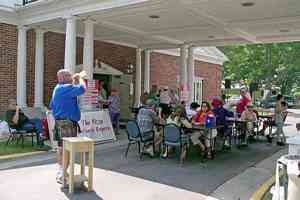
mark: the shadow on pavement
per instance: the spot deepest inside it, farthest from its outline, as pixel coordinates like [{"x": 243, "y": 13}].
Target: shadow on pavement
[{"x": 80, "y": 194}]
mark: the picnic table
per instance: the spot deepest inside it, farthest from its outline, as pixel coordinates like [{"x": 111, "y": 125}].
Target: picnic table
[
  {"x": 239, "y": 129},
  {"x": 207, "y": 133}
]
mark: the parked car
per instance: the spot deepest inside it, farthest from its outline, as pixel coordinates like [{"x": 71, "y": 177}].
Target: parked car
[
  {"x": 233, "y": 99},
  {"x": 270, "y": 102}
]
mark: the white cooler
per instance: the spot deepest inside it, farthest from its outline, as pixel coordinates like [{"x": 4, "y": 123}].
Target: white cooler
[
  {"x": 294, "y": 145},
  {"x": 287, "y": 166}
]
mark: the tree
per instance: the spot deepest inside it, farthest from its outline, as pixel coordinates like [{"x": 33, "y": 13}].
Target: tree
[{"x": 270, "y": 64}]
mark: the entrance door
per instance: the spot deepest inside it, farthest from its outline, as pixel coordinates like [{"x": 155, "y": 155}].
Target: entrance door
[
  {"x": 123, "y": 84},
  {"x": 198, "y": 90}
]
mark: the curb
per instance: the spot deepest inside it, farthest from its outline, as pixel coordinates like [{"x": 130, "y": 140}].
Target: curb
[
  {"x": 260, "y": 192},
  {"x": 21, "y": 155}
]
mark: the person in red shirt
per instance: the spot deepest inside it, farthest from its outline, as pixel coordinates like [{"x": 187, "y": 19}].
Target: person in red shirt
[
  {"x": 200, "y": 117},
  {"x": 243, "y": 102},
  {"x": 198, "y": 138}
]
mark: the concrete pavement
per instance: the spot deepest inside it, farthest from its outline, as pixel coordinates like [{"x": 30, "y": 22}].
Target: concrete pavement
[{"x": 231, "y": 176}]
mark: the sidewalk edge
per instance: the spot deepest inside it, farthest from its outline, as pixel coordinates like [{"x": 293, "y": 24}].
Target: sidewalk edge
[
  {"x": 22, "y": 155},
  {"x": 260, "y": 192}
]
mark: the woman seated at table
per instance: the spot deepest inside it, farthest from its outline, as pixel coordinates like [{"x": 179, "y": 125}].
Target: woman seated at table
[
  {"x": 177, "y": 117},
  {"x": 250, "y": 117},
  {"x": 200, "y": 138}
]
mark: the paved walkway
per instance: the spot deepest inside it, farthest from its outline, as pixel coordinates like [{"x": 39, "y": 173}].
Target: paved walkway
[{"x": 231, "y": 176}]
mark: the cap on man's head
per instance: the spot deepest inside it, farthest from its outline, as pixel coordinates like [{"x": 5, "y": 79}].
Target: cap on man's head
[{"x": 166, "y": 88}]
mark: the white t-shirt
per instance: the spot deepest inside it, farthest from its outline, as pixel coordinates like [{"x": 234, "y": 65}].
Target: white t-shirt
[{"x": 165, "y": 97}]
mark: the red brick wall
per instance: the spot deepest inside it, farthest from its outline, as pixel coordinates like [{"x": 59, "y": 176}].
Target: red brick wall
[
  {"x": 114, "y": 55},
  {"x": 164, "y": 68},
  {"x": 8, "y": 64},
  {"x": 165, "y": 72},
  {"x": 212, "y": 75}
]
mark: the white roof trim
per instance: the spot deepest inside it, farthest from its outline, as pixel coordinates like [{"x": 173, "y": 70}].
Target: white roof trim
[
  {"x": 204, "y": 54},
  {"x": 103, "y": 69},
  {"x": 8, "y": 15}
]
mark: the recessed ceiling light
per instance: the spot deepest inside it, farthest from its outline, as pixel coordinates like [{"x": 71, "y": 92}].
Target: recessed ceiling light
[
  {"x": 248, "y": 4},
  {"x": 211, "y": 36},
  {"x": 154, "y": 16},
  {"x": 284, "y": 30}
]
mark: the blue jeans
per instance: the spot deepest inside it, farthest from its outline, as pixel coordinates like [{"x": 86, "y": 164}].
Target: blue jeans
[
  {"x": 115, "y": 117},
  {"x": 34, "y": 124}
]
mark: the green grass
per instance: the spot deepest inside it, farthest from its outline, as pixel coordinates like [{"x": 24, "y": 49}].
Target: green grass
[
  {"x": 267, "y": 196},
  {"x": 14, "y": 148}
]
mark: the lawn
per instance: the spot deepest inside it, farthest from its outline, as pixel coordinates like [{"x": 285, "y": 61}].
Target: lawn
[{"x": 14, "y": 148}]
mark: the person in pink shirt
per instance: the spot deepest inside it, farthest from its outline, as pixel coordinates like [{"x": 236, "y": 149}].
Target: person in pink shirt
[{"x": 243, "y": 102}]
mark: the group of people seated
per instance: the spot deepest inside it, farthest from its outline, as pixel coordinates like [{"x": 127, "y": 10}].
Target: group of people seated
[
  {"x": 197, "y": 115},
  {"x": 153, "y": 112}
]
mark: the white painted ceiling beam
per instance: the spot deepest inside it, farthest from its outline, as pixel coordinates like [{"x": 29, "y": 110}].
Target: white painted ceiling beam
[
  {"x": 202, "y": 15},
  {"x": 8, "y": 16},
  {"x": 136, "y": 32},
  {"x": 281, "y": 20},
  {"x": 41, "y": 13},
  {"x": 218, "y": 42}
]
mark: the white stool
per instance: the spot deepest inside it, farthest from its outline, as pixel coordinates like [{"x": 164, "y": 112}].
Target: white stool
[{"x": 80, "y": 145}]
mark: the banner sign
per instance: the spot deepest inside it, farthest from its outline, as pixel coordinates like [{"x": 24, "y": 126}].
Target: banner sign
[
  {"x": 93, "y": 124},
  {"x": 97, "y": 125}
]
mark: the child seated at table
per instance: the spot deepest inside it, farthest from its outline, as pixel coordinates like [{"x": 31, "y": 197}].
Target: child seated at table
[
  {"x": 177, "y": 117},
  {"x": 201, "y": 138}
]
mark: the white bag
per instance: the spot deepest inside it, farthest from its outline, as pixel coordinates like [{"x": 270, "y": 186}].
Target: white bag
[{"x": 4, "y": 129}]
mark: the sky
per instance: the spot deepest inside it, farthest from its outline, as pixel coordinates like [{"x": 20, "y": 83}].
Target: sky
[{"x": 10, "y": 2}]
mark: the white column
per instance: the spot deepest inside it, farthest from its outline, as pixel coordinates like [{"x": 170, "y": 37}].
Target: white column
[
  {"x": 88, "y": 49},
  {"x": 147, "y": 71},
  {"x": 21, "y": 67},
  {"x": 183, "y": 73},
  {"x": 138, "y": 77},
  {"x": 191, "y": 72},
  {"x": 39, "y": 69},
  {"x": 70, "y": 44}
]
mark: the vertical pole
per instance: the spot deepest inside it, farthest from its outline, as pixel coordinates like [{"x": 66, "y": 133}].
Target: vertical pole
[
  {"x": 191, "y": 72},
  {"x": 21, "y": 66},
  {"x": 138, "y": 76},
  {"x": 183, "y": 73},
  {"x": 39, "y": 69},
  {"x": 70, "y": 44},
  {"x": 147, "y": 71},
  {"x": 88, "y": 49}
]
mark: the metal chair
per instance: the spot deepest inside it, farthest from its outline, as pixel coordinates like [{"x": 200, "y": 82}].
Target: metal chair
[
  {"x": 20, "y": 134},
  {"x": 135, "y": 136},
  {"x": 173, "y": 136}
]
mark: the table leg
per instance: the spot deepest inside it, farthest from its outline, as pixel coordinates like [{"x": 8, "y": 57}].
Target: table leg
[
  {"x": 91, "y": 166},
  {"x": 71, "y": 176},
  {"x": 82, "y": 163},
  {"x": 63, "y": 166}
]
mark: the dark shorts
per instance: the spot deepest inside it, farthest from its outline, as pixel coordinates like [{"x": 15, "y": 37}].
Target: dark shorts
[{"x": 65, "y": 128}]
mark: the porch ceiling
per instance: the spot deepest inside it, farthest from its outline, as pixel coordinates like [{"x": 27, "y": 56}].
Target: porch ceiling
[{"x": 195, "y": 22}]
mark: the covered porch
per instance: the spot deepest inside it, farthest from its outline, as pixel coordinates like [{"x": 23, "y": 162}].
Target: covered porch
[{"x": 148, "y": 26}]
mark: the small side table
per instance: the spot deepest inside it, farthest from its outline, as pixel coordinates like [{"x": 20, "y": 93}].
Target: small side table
[{"x": 80, "y": 145}]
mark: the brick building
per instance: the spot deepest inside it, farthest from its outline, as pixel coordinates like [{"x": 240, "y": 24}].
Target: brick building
[{"x": 164, "y": 64}]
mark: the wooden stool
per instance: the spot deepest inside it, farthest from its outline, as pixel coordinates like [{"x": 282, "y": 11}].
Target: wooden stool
[{"x": 80, "y": 145}]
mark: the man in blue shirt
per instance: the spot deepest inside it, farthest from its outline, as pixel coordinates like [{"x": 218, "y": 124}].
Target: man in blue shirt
[{"x": 65, "y": 109}]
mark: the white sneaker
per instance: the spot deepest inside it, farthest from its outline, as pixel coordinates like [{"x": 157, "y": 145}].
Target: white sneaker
[{"x": 59, "y": 177}]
